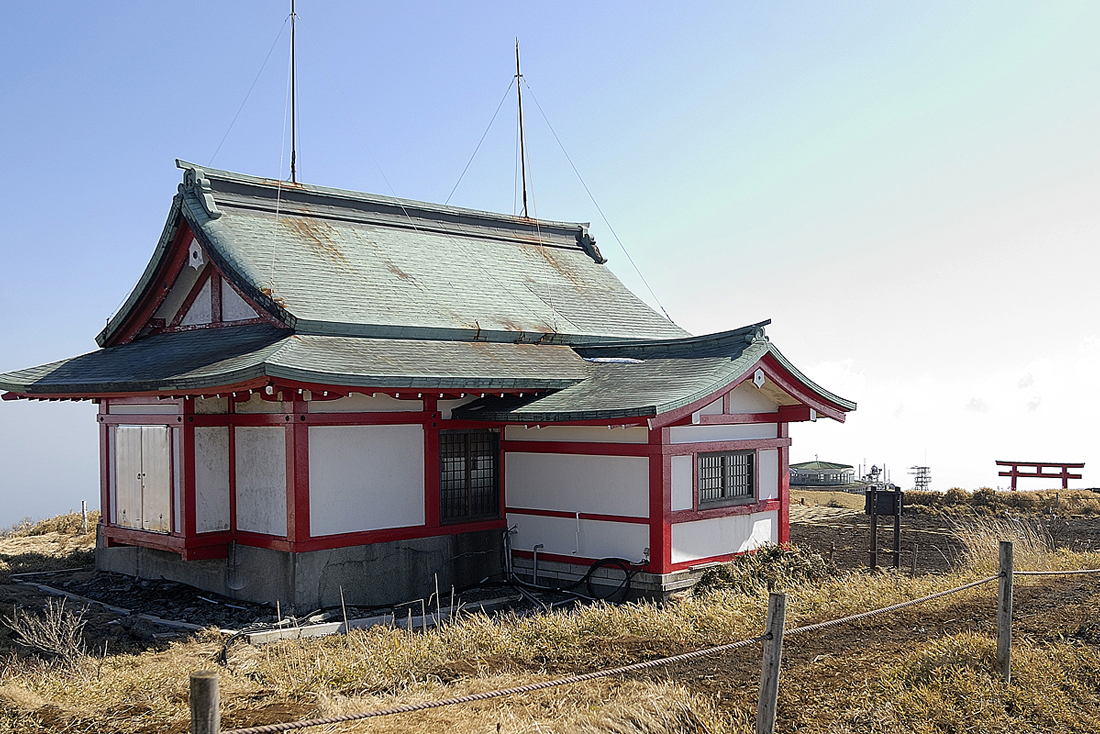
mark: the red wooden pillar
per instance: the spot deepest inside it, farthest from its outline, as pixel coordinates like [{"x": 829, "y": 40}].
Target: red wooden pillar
[
  {"x": 431, "y": 463},
  {"x": 104, "y": 465},
  {"x": 660, "y": 503},
  {"x": 297, "y": 470},
  {"x": 784, "y": 486},
  {"x": 187, "y": 469}
]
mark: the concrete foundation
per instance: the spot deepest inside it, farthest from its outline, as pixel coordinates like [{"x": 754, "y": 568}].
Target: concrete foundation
[
  {"x": 370, "y": 575},
  {"x": 606, "y": 580}
]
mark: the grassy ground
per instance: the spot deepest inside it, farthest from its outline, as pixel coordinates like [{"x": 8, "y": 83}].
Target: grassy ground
[
  {"x": 923, "y": 669},
  {"x": 825, "y": 498}
]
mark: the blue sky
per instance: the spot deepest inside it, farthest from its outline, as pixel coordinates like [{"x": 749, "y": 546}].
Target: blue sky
[{"x": 910, "y": 191}]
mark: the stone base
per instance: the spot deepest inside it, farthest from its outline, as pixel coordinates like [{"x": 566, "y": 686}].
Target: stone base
[
  {"x": 653, "y": 586},
  {"x": 370, "y": 575}
]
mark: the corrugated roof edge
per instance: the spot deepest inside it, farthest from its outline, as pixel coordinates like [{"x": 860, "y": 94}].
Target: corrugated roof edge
[{"x": 410, "y": 206}]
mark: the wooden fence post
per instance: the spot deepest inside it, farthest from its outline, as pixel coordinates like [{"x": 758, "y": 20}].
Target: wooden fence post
[
  {"x": 769, "y": 672},
  {"x": 205, "y": 703},
  {"x": 1004, "y": 613}
]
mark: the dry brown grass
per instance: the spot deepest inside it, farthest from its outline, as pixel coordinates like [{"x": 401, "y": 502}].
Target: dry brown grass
[
  {"x": 997, "y": 502},
  {"x": 1033, "y": 546},
  {"x": 927, "y": 683},
  {"x": 824, "y": 498},
  {"x": 48, "y": 545}
]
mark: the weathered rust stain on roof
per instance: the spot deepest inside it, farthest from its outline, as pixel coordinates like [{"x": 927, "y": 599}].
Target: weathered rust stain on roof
[
  {"x": 319, "y": 235},
  {"x": 399, "y": 272}
]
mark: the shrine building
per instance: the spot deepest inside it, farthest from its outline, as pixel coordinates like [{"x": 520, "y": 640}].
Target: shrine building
[{"x": 312, "y": 390}]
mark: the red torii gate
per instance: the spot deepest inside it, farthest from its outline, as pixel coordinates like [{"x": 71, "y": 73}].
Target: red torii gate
[{"x": 1038, "y": 472}]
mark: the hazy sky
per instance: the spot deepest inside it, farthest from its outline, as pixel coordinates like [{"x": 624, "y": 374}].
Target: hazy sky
[{"x": 911, "y": 191}]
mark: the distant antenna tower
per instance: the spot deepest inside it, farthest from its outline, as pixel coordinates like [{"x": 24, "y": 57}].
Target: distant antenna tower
[{"x": 922, "y": 477}]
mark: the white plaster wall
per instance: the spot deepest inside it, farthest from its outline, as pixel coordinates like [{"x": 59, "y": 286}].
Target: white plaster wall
[
  {"x": 714, "y": 408},
  {"x": 201, "y": 310},
  {"x": 719, "y": 536},
  {"x": 256, "y": 404},
  {"x": 768, "y": 471},
  {"x": 260, "y": 453},
  {"x": 359, "y": 403},
  {"x": 212, "y": 479},
  {"x": 235, "y": 308},
  {"x": 747, "y": 398},
  {"x": 585, "y": 434},
  {"x": 185, "y": 281},
  {"x": 587, "y": 539},
  {"x": 736, "y": 432},
  {"x": 600, "y": 485},
  {"x": 144, "y": 409},
  {"x": 365, "y": 478},
  {"x": 446, "y": 406},
  {"x": 683, "y": 494},
  {"x": 211, "y": 406}
]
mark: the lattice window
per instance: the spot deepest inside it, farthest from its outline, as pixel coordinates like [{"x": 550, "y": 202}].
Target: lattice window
[
  {"x": 469, "y": 484},
  {"x": 726, "y": 477}
]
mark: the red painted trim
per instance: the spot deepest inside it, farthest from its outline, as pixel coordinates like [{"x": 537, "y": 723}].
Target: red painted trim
[
  {"x": 784, "y": 487},
  {"x": 298, "y": 528},
  {"x": 387, "y": 535},
  {"x": 680, "y": 449},
  {"x": 660, "y": 503},
  {"x": 187, "y": 472},
  {"x": 128, "y": 536},
  {"x": 573, "y": 515},
  {"x": 572, "y": 560},
  {"x": 579, "y": 447},
  {"x": 158, "y": 287},
  {"x": 104, "y": 469},
  {"x": 141, "y": 420},
  {"x": 786, "y": 381},
  {"x": 232, "y": 474},
  {"x": 216, "y": 298},
  {"x": 737, "y": 418},
  {"x": 748, "y": 508},
  {"x": 777, "y": 374},
  {"x": 682, "y": 565},
  {"x": 369, "y": 419},
  {"x": 431, "y": 462},
  {"x": 1059, "y": 464},
  {"x": 191, "y": 297}
]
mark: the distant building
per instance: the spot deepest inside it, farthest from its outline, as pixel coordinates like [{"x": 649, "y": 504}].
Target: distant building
[{"x": 821, "y": 474}]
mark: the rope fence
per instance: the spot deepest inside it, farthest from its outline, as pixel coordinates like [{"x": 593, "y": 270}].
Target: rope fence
[{"x": 205, "y": 705}]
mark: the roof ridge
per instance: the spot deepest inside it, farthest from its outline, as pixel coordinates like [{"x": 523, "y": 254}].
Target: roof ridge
[{"x": 284, "y": 188}]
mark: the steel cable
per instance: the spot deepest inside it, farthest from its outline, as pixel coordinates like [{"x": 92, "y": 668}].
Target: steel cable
[
  {"x": 883, "y": 610},
  {"x": 289, "y": 726},
  {"x": 1056, "y": 573}
]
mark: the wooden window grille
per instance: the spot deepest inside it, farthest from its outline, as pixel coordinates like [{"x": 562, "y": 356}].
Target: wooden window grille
[
  {"x": 726, "y": 477},
  {"x": 469, "y": 475}
]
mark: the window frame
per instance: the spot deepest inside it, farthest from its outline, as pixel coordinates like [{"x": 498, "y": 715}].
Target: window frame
[
  {"x": 725, "y": 500},
  {"x": 495, "y": 453}
]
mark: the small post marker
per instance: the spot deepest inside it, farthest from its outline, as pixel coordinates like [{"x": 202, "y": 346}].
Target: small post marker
[
  {"x": 769, "y": 672},
  {"x": 84, "y": 516},
  {"x": 1004, "y": 613},
  {"x": 205, "y": 703}
]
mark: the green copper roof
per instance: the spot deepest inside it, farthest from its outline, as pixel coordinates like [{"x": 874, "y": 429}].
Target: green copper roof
[
  {"x": 814, "y": 466},
  {"x": 219, "y": 358},
  {"x": 631, "y": 380},
  {"x": 327, "y": 261}
]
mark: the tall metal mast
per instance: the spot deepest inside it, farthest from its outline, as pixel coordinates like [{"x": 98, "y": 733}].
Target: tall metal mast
[
  {"x": 293, "y": 100},
  {"x": 522, "y": 161}
]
